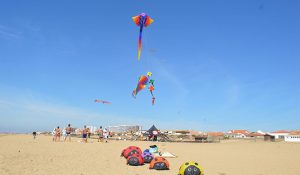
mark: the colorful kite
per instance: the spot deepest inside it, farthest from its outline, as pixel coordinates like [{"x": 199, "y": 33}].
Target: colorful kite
[
  {"x": 151, "y": 88},
  {"x": 101, "y": 101},
  {"x": 142, "y": 20},
  {"x": 142, "y": 83}
]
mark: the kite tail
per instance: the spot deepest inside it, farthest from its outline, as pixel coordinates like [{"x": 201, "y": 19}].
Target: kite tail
[
  {"x": 153, "y": 101},
  {"x": 134, "y": 94},
  {"x": 152, "y": 94},
  {"x": 153, "y": 98},
  {"x": 140, "y": 43}
]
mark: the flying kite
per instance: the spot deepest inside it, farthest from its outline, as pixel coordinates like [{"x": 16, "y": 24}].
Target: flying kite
[
  {"x": 151, "y": 88},
  {"x": 142, "y": 83},
  {"x": 142, "y": 20},
  {"x": 102, "y": 101}
]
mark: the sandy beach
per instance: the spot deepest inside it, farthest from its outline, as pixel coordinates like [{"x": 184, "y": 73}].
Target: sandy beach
[{"x": 20, "y": 154}]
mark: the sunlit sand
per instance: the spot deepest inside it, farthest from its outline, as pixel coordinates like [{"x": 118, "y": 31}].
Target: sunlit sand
[{"x": 20, "y": 154}]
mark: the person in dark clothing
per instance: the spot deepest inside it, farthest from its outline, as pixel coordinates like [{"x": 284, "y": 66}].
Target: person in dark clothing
[{"x": 34, "y": 135}]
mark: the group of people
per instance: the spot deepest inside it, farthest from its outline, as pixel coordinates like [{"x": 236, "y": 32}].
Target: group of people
[
  {"x": 66, "y": 133},
  {"x": 103, "y": 134}
]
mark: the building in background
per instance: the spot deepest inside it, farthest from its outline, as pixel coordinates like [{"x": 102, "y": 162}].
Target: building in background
[
  {"x": 124, "y": 128},
  {"x": 269, "y": 138},
  {"x": 280, "y": 134},
  {"x": 256, "y": 135},
  {"x": 293, "y": 136},
  {"x": 237, "y": 133}
]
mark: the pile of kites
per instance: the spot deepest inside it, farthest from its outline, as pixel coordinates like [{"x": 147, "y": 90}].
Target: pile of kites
[{"x": 135, "y": 157}]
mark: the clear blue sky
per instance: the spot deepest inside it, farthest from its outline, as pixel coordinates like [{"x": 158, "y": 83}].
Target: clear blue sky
[{"x": 217, "y": 65}]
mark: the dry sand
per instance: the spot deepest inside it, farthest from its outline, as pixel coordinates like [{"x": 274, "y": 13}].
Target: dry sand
[{"x": 20, "y": 154}]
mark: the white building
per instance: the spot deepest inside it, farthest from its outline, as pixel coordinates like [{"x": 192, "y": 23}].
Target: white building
[
  {"x": 124, "y": 128},
  {"x": 292, "y": 137},
  {"x": 280, "y": 134},
  {"x": 237, "y": 134}
]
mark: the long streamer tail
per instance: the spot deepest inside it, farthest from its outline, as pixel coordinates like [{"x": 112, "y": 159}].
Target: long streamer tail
[
  {"x": 140, "y": 43},
  {"x": 153, "y": 98},
  {"x": 153, "y": 101},
  {"x": 134, "y": 93}
]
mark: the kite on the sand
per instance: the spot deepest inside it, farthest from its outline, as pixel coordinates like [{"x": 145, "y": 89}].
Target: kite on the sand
[
  {"x": 142, "y": 20},
  {"x": 142, "y": 83}
]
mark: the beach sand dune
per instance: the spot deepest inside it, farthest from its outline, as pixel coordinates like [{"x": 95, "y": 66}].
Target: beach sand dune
[{"x": 21, "y": 155}]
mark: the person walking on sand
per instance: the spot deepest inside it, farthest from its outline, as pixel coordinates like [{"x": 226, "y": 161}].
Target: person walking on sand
[
  {"x": 84, "y": 134},
  {"x": 53, "y": 134},
  {"x": 68, "y": 132},
  {"x": 105, "y": 134},
  {"x": 100, "y": 134},
  {"x": 57, "y": 134}
]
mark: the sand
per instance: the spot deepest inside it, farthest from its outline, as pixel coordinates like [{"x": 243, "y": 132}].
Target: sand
[{"x": 21, "y": 155}]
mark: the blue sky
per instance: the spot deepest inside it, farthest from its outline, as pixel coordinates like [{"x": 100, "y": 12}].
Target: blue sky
[{"x": 217, "y": 65}]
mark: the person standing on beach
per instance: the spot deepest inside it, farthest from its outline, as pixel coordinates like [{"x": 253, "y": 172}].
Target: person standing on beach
[
  {"x": 110, "y": 133},
  {"x": 57, "y": 134},
  {"x": 53, "y": 134},
  {"x": 105, "y": 134},
  {"x": 89, "y": 132},
  {"x": 34, "y": 135},
  {"x": 84, "y": 134},
  {"x": 68, "y": 132},
  {"x": 100, "y": 134},
  {"x": 154, "y": 133}
]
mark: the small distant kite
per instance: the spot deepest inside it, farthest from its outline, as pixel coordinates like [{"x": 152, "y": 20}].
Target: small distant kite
[
  {"x": 101, "y": 101},
  {"x": 142, "y": 83},
  {"x": 142, "y": 20}
]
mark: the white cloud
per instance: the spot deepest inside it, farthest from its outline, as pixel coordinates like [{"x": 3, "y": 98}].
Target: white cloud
[
  {"x": 171, "y": 77},
  {"x": 9, "y": 33}
]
